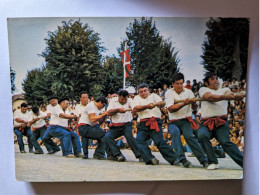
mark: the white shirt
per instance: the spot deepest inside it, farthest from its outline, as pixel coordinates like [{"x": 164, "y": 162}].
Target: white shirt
[
  {"x": 24, "y": 116},
  {"x": 55, "y": 111},
  {"x": 172, "y": 95},
  {"x": 89, "y": 109},
  {"x": 148, "y": 113},
  {"x": 39, "y": 123},
  {"x": 210, "y": 109},
  {"x": 63, "y": 121},
  {"x": 79, "y": 109},
  {"x": 120, "y": 117}
]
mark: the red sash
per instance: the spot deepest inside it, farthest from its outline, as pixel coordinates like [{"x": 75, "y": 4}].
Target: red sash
[
  {"x": 214, "y": 121},
  {"x": 116, "y": 124},
  {"x": 81, "y": 124},
  {"x": 193, "y": 124},
  {"x": 152, "y": 122},
  {"x": 21, "y": 129}
]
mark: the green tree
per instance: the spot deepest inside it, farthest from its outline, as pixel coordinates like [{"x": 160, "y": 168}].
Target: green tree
[
  {"x": 29, "y": 87},
  {"x": 73, "y": 60},
  {"x": 113, "y": 75},
  {"x": 226, "y": 47},
  {"x": 12, "y": 76},
  {"x": 151, "y": 57}
]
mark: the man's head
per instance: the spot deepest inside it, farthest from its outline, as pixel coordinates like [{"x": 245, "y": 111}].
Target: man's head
[
  {"x": 64, "y": 103},
  {"x": 122, "y": 96},
  {"x": 101, "y": 102},
  {"x": 83, "y": 96},
  {"x": 35, "y": 110},
  {"x": 53, "y": 100},
  {"x": 194, "y": 81},
  {"x": 188, "y": 82},
  {"x": 164, "y": 86},
  {"x": 143, "y": 90},
  {"x": 211, "y": 81},
  {"x": 24, "y": 107},
  {"x": 177, "y": 82}
]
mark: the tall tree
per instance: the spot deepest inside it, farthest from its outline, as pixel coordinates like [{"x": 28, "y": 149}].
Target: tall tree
[
  {"x": 29, "y": 87},
  {"x": 113, "y": 75},
  {"x": 226, "y": 47},
  {"x": 73, "y": 60},
  {"x": 151, "y": 56},
  {"x": 12, "y": 76}
]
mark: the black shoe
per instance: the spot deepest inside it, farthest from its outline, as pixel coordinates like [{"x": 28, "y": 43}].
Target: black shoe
[
  {"x": 154, "y": 161},
  {"x": 112, "y": 158},
  {"x": 176, "y": 163},
  {"x": 121, "y": 158},
  {"x": 53, "y": 152},
  {"x": 186, "y": 163},
  {"x": 141, "y": 159},
  {"x": 31, "y": 151},
  {"x": 38, "y": 152},
  {"x": 99, "y": 157},
  {"x": 205, "y": 164},
  {"x": 85, "y": 156},
  {"x": 23, "y": 151}
]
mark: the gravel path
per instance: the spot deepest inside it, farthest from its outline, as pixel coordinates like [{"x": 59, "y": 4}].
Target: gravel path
[{"x": 43, "y": 168}]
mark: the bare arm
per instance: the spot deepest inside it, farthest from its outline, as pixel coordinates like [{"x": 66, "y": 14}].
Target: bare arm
[
  {"x": 141, "y": 108},
  {"x": 215, "y": 98},
  {"x": 18, "y": 120},
  {"x": 34, "y": 120},
  {"x": 97, "y": 118},
  {"x": 66, "y": 116},
  {"x": 111, "y": 112}
]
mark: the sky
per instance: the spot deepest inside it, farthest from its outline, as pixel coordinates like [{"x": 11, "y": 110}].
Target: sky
[{"x": 26, "y": 40}]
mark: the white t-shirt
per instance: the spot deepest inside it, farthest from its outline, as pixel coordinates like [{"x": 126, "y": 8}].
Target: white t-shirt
[
  {"x": 89, "y": 109},
  {"x": 24, "y": 116},
  {"x": 40, "y": 122},
  {"x": 211, "y": 109},
  {"x": 79, "y": 109},
  {"x": 148, "y": 113},
  {"x": 172, "y": 95},
  {"x": 55, "y": 111},
  {"x": 120, "y": 117}
]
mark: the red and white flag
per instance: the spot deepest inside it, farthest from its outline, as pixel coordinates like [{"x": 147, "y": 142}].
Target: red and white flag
[{"x": 125, "y": 57}]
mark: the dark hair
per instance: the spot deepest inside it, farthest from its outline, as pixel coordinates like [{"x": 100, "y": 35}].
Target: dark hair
[
  {"x": 207, "y": 76},
  {"x": 143, "y": 85},
  {"x": 102, "y": 99},
  {"x": 35, "y": 109},
  {"x": 123, "y": 93},
  {"x": 83, "y": 92},
  {"x": 177, "y": 76},
  {"x": 24, "y": 105}
]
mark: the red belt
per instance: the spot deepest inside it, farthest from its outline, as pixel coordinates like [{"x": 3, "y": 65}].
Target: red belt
[
  {"x": 117, "y": 124},
  {"x": 152, "y": 122},
  {"x": 21, "y": 129},
  {"x": 81, "y": 124},
  {"x": 193, "y": 124},
  {"x": 214, "y": 121}
]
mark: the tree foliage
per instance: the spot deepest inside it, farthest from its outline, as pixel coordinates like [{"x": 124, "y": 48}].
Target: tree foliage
[
  {"x": 153, "y": 60},
  {"x": 226, "y": 47},
  {"x": 73, "y": 63},
  {"x": 113, "y": 75}
]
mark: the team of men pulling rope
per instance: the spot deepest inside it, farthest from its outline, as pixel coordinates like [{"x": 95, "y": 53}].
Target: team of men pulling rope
[{"x": 179, "y": 101}]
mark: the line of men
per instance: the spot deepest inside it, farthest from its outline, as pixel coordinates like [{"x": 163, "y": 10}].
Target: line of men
[{"x": 91, "y": 114}]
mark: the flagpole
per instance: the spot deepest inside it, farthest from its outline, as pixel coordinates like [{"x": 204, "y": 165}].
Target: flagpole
[{"x": 124, "y": 66}]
